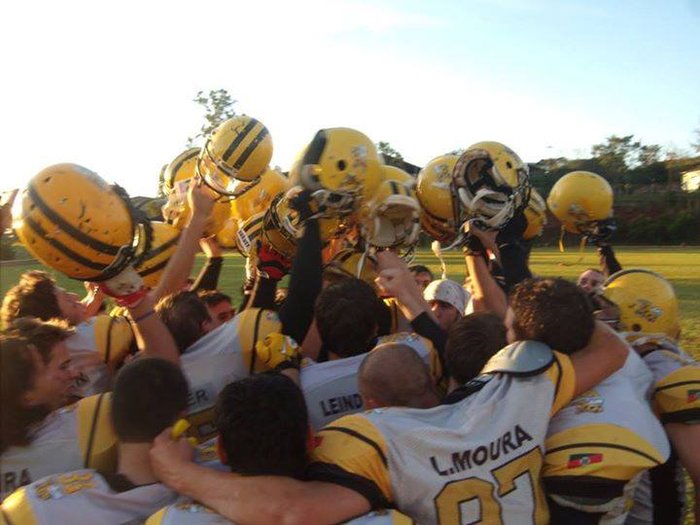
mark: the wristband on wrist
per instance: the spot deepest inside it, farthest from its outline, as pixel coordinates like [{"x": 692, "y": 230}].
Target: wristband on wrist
[{"x": 143, "y": 317}]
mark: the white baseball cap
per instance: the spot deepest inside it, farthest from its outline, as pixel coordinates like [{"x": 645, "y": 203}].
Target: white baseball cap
[{"x": 447, "y": 291}]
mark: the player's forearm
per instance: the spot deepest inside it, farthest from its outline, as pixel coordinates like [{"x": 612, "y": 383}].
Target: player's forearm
[
  {"x": 182, "y": 261},
  {"x": 487, "y": 295},
  {"x": 259, "y": 499},
  {"x": 152, "y": 337}
]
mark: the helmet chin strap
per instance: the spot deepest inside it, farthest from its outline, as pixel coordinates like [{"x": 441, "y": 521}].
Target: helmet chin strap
[{"x": 436, "y": 248}]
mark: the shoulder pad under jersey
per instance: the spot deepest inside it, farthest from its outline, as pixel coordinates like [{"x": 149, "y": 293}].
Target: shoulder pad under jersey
[{"x": 521, "y": 358}]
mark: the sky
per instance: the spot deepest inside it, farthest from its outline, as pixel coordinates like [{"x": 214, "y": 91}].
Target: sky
[{"x": 109, "y": 85}]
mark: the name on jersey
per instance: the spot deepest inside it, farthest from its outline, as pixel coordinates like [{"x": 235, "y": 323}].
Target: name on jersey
[
  {"x": 340, "y": 404},
  {"x": 200, "y": 397},
  {"x": 466, "y": 459},
  {"x": 11, "y": 481}
]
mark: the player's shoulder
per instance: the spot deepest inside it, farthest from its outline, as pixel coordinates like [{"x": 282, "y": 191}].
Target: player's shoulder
[{"x": 186, "y": 512}]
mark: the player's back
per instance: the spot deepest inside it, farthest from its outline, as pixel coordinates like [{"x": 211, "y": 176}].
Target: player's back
[
  {"x": 330, "y": 389},
  {"x": 476, "y": 460},
  {"x": 599, "y": 445},
  {"x": 222, "y": 356},
  {"x": 85, "y": 496},
  {"x": 77, "y": 436}
]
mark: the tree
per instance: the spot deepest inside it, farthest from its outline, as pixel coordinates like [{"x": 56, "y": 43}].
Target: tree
[
  {"x": 388, "y": 151},
  {"x": 616, "y": 155},
  {"x": 696, "y": 145},
  {"x": 218, "y": 107},
  {"x": 648, "y": 155}
]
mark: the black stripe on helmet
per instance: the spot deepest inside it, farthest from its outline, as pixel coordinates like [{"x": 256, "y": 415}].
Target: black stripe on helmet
[
  {"x": 250, "y": 148},
  {"x": 239, "y": 139},
  {"x": 153, "y": 269},
  {"x": 193, "y": 153},
  {"x": 64, "y": 249},
  {"x": 160, "y": 249},
  {"x": 71, "y": 230}
]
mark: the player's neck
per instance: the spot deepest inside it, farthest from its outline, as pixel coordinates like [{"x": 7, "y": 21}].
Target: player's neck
[{"x": 135, "y": 463}]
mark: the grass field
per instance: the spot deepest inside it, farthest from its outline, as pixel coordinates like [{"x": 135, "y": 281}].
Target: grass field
[{"x": 680, "y": 265}]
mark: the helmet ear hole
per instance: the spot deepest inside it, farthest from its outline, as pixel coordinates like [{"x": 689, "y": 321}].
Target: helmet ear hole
[
  {"x": 509, "y": 165},
  {"x": 341, "y": 165},
  {"x": 636, "y": 328}
]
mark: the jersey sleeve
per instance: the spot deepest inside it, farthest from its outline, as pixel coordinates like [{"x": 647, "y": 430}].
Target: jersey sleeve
[
  {"x": 18, "y": 509},
  {"x": 96, "y": 437},
  {"x": 563, "y": 378},
  {"x": 351, "y": 452},
  {"x": 677, "y": 396}
]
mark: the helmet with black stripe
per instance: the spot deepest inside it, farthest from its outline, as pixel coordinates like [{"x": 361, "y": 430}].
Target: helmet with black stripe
[
  {"x": 163, "y": 245},
  {"x": 176, "y": 211},
  {"x": 342, "y": 167},
  {"x": 351, "y": 263},
  {"x": 71, "y": 220},
  {"x": 235, "y": 155}
]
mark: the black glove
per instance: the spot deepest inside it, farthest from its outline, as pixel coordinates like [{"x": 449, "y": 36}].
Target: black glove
[
  {"x": 602, "y": 231},
  {"x": 513, "y": 230},
  {"x": 301, "y": 203},
  {"x": 473, "y": 246}
]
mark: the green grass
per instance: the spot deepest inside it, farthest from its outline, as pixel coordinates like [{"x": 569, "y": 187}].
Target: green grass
[{"x": 680, "y": 265}]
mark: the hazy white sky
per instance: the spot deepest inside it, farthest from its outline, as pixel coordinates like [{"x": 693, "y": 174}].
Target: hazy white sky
[{"x": 110, "y": 85}]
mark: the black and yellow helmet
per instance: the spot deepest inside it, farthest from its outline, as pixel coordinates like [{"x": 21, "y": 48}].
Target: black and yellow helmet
[
  {"x": 163, "y": 245},
  {"x": 237, "y": 151},
  {"x": 71, "y": 220}
]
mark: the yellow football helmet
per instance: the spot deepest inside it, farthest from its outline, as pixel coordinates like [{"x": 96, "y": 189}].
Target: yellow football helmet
[
  {"x": 391, "y": 218},
  {"x": 492, "y": 183},
  {"x": 281, "y": 228},
  {"x": 163, "y": 245},
  {"x": 342, "y": 167},
  {"x": 350, "y": 263},
  {"x": 176, "y": 211},
  {"x": 249, "y": 232},
  {"x": 579, "y": 200},
  {"x": 258, "y": 198},
  {"x": 438, "y": 204},
  {"x": 536, "y": 215},
  {"x": 227, "y": 235},
  {"x": 239, "y": 149},
  {"x": 398, "y": 175},
  {"x": 71, "y": 220},
  {"x": 646, "y": 301}
]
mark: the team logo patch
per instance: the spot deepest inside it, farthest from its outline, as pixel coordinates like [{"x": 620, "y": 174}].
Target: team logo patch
[
  {"x": 693, "y": 395},
  {"x": 581, "y": 460},
  {"x": 589, "y": 402}
]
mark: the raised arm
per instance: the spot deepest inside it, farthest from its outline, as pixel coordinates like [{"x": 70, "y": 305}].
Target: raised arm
[
  {"x": 152, "y": 336},
  {"x": 201, "y": 201}
]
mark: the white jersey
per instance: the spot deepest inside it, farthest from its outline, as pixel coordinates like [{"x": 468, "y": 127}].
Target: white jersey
[
  {"x": 222, "y": 356},
  {"x": 85, "y": 496},
  {"x": 70, "y": 438},
  {"x": 479, "y": 459},
  {"x": 99, "y": 344},
  {"x": 599, "y": 445},
  {"x": 330, "y": 388}
]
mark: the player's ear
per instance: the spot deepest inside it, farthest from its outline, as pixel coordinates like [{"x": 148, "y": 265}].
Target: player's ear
[{"x": 220, "y": 451}]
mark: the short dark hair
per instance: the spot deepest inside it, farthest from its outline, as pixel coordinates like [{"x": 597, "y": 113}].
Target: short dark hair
[
  {"x": 33, "y": 296},
  {"x": 347, "y": 315},
  {"x": 184, "y": 314},
  {"x": 213, "y": 297},
  {"x": 553, "y": 311},
  {"x": 471, "y": 342},
  {"x": 263, "y": 425},
  {"x": 149, "y": 395},
  {"x": 17, "y": 375},
  {"x": 419, "y": 268}
]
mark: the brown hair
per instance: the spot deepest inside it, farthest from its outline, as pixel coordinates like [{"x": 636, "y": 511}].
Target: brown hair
[
  {"x": 33, "y": 296},
  {"x": 184, "y": 314},
  {"x": 553, "y": 311},
  {"x": 17, "y": 374},
  {"x": 471, "y": 342}
]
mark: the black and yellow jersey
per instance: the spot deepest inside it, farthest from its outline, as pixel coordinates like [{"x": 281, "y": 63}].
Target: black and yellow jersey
[
  {"x": 598, "y": 446},
  {"x": 98, "y": 347},
  {"x": 85, "y": 496},
  {"x": 223, "y": 355},
  {"x": 479, "y": 459},
  {"x": 74, "y": 437},
  {"x": 660, "y": 496},
  {"x": 331, "y": 390}
]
